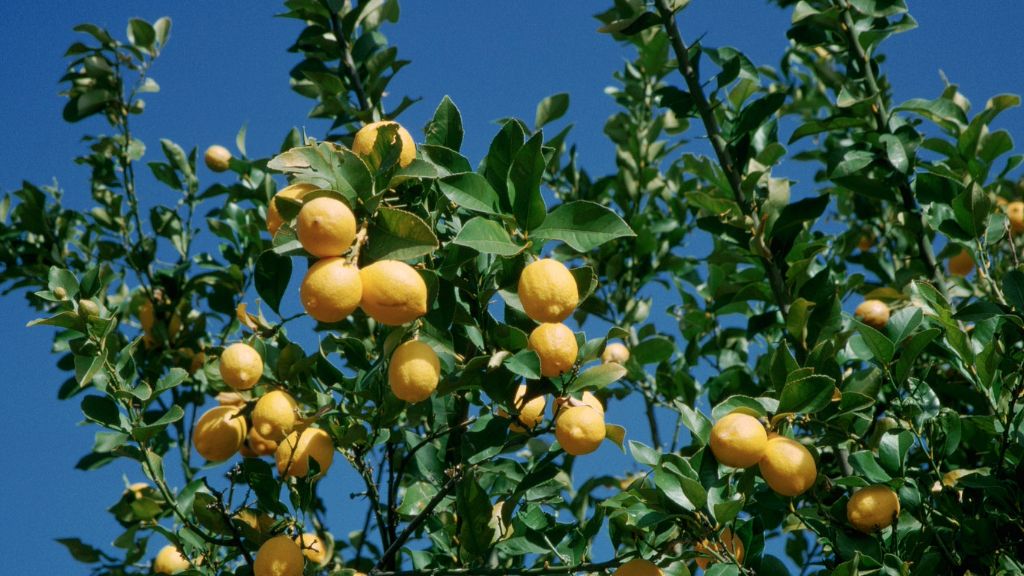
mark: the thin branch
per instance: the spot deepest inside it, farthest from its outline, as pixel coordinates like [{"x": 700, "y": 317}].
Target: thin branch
[
  {"x": 387, "y": 558},
  {"x": 346, "y": 66}
]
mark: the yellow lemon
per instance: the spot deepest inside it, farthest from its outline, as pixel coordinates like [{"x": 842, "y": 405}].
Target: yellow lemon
[
  {"x": 257, "y": 445},
  {"x": 548, "y": 291},
  {"x": 147, "y": 315},
  {"x": 615, "y": 352},
  {"x": 367, "y": 136},
  {"x": 230, "y": 399},
  {"x": 293, "y": 453},
  {"x": 564, "y": 403},
  {"x": 961, "y": 264},
  {"x": 393, "y": 292},
  {"x": 731, "y": 543},
  {"x": 873, "y": 508},
  {"x": 638, "y": 567},
  {"x": 312, "y": 547},
  {"x": 293, "y": 192},
  {"x": 787, "y": 466},
  {"x": 874, "y": 313},
  {"x": 414, "y": 371},
  {"x": 326, "y": 227},
  {"x": 274, "y": 415},
  {"x": 219, "y": 433},
  {"x": 170, "y": 560},
  {"x": 531, "y": 411},
  {"x": 738, "y": 440},
  {"x": 556, "y": 346},
  {"x": 1015, "y": 211},
  {"x": 279, "y": 556},
  {"x": 331, "y": 290},
  {"x": 580, "y": 430},
  {"x": 217, "y": 158},
  {"x": 241, "y": 366}
]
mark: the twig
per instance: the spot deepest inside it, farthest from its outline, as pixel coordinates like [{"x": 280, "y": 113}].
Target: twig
[
  {"x": 346, "y": 66},
  {"x": 392, "y": 550}
]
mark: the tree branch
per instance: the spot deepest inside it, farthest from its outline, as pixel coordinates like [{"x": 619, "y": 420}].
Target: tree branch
[{"x": 346, "y": 66}]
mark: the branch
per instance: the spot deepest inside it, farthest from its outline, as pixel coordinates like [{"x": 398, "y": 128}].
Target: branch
[
  {"x": 392, "y": 550},
  {"x": 346, "y": 66},
  {"x": 511, "y": 570}
]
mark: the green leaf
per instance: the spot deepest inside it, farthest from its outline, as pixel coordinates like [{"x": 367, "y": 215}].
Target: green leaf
[
  {"x": 416, "y": 498},
  {"x": 853, "y": 161},
  {"x": 941, "y": 111},
  {"x": 524, "y": 179},
  {"x": 695, "y": 421},
  {"x": 141, "y": 33},
  {"x": 598, "y": 377},
  {"x": 445, "y": 128},
  {"x": 631, "y": 26},
  {"x": 757, "y": 113},
  {"x": 328, "y": 167},
  {"x": 586, "y": 281},
  {"x": 881, "y": 347},
  {"x": 272, "y": 274},
  {"x": 653, "y": 350},
  {"x": 892, "y": 450},
  {"x": 807, "y": 395},
  {"x": 488, "y": 237},
  {"x": 550, "y": 109},
  {"x": 471, "y": 191},
  {"x": 583, "y": 225},
  {"x": 644, "y": 454},
  {"x": 174, "y": 377},
  {"x": 499, "y": 157},
  {"x": 1013, "y": 287},
  {"x": 102, "y": 410},
  {"x": 146, "y": 432},
  {"x": 792, "y": 217},
  {"x": 617, "y": 434},
  {"x": 399, "y": 235},
  {"x": 525, "y": 363},
  {"x": 474, "y": 506},
  {"x": 895, "y": 152},
  {"x": 64, "y": 280},
  {"x": 864, "y": 462},
  {"x": 81, "y": 551}
]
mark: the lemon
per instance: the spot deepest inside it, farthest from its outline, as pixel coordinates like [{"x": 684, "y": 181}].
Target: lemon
[
  {"x": 170, "y": 560},
  {"x": 230, "y": 399},
  {"x": 873, "y": 508},
  {"x": 738, "y": 440},
  {"x": 1015, "y": 211},
  {"x": 414, "y": 371},
  {"x": 293, "y": 453},
  {"x": 312, "y": 547},
  {"x": 274, "y": 415},
  {"x": 219, "y": 433},
  {"x": 564, "y": 403},
  {"x": 257, "y": 445},
  {"x": 615, "y": 352},
  {"x": 293, "y": 192},
  {"x": 217, "y": 158},
  {"x": 279, "y": 556},
  {"x": 580, "y": 430},
  {"x": 548, "y": 291},
  {"x": 531, "y": 411},
  {"x": 787, "y": 466},
  {"x": 147, "y": 315},
  {"x": 366, "y": 137},
  {"x": 326, "y": 227},
  {"x": 731, "y": 543},
  {"x": 393, "y": 292},
  {"x": 556, "y": 346},
  {"x": 638, "y": 567},
  {"x": 241, "y": 366},
  {"x": 331, "y": 290},
  {"x": 874, "y": 313},
  {"x": 961, "y": 264}
]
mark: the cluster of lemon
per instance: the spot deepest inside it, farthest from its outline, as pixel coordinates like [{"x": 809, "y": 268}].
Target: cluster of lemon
[
  {"x": 187, "y": 357},
  {"x": 278, "y": 556}
]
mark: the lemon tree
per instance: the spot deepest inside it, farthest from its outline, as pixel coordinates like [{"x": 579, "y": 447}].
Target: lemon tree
[{"x": 833, "y": 386}]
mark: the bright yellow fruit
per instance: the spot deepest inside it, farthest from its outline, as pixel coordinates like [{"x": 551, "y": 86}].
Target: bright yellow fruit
[
  {"x": 367, "y": 136},
  {"x": 548, "y": 291},
  {"x": 217, "y": 158},
  {"x": 293, "y": 192},
  {"x": 170, "y": 560},
  {"x": 580, "y": 430},
  {"x": 257, "y": 445},
  {"x": 587, "y": 398},
  {"x": 738, "y": 440},
  {"x": 556, "y": 346},
  {"x": 273, "y": 417},
  {"x": 1015, "y": 211},
  {"x": 393, "y": 292},
  {"x": 326, "y": 227},
  {"x": 615, "y": 352},
  {"x": 312, "y": 547},
  {"x": 638, "y": 567},
  {"x": 787, "y": 466},
  {"x": 293, "y": 453},
  {"x": 531, "y": 411},
  {"x": 279, "y": 556},
  {"x": 241, "y": 366},
  {"x": 873, "y": 508},
  {"x": 414, "y": 371},
  {"x": 731, "y": 543},
  {"x": 961, "y": 264},
  {"x": 219, "y": 433},
  {"x": 331, "y": 290},
  {"x": 874, "y": 313}
]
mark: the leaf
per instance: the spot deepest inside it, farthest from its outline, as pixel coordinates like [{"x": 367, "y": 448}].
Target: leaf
[
  {"x": 272, "y": 274},
  {"x": 550, "y": 109},
  {"x": 524, "y": 178},
  {"x": 807, "y": 395},
  {"x": 598, "y": 377},
  {"x": 853, "y": 161},
  {"x": 416, "y": 498},
  {"x": 525, "y": 363},
  {"x": 1013, "y": 287},
  {"x": 445, "y": 128},
  {"x": 757, "y": 113},
  {"x": 488, "y": 237},
  {"x": 892, "y": 450},
  {"x": 399, "y": 235},
  {"x": 327, "y": 167},
  {"x": 81, "y": 551},
  {"x": 174, "y": 377},
  {"x": 653, "y": 350},
  {"x": 895, "y": 153},
  {"x": 695, "y": 421},
  {"x": 143, "y": 433},
  {"x": 504, "y": 147},
  {"x": 792, "y": 216},
  {"x": 583, "y": 225},
  {"x": 617, "y": 434},
  {"x": 644, "y": 454},
  {"x": 631, "y": 26},
  {"x": 881, "y": 347},
  {"x": 64, "y": 280},
  {"x": 864, "y": 462},
  {"x": 102, "y": 410},
  {"x": 941, "y": 111},
  {"x": 471, "y": 191},
  {"x": 141, "y": 33}
]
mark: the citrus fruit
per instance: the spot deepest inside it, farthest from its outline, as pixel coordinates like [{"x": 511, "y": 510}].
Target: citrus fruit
[
  {"x": 241, "y": 366},
  {"x": 414, "y": 371},
  {"x": 564, "y": 403},
  {"x": 147, "y": 315},
  {"x": 274, "y": 415},
  {"x": 312, "y": 547},
  {"x": 326, "y": 227},
  {"x": 366, "y": 137},
  {"x": 393, "y": 292},
  {"x": 638, "y": 567},
  {"x": 531, "y": 411},
  {"x": 217, "y": 158},
  {"x": 279, "y": 556},
  {"x": 731, "y": 543},
  {"x": 873, "y": 508},
  {"x": 738, "y": 440},
  {"x": 293, "y": 453},
  {"x": 865, "y": 243},
  {"x": 547, "y": 291},
  {"x": 961, "y": 264},
  {"x": 170, "y": 560},
  {"x": 580, "y": 430},
  {"x": 874, "y": 313},
  {"x": 615, "y": 352},
  {"x": 257, "y": 445},
  {"x": 293, "y": 192},
  {"x": 787, "y": 466},
  {"x": 331, "y": 290},
  {"x": 219, "y": 433},
  {"x": 1015, "y": 212},
  {"x": 556, "y": 346}
]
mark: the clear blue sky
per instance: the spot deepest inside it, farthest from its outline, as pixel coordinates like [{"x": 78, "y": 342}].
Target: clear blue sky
[{"x": 226, "y": 65}]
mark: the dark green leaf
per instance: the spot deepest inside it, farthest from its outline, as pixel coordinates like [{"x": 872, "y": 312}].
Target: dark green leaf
[
  {"x": 272, "y": 274},
  {"x": 445, "y": 129},
  {"x": 807, "y": 395},
  {"x": 550, "y": 109},
  {"x": 471, "y": 191},
  {"x": 399, "y": 235},
  {"x": 582, "y": 225},
  {"x": 488, "y": 237}
]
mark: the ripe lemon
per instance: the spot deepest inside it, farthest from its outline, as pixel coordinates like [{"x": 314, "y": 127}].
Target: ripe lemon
[
  {"x": 414, "y": 371},
  {"x": 230, "y": 399},
  {"x": 874, "y": 313},
  {"x": 326, "y": 227},
  {"x": 257, "y": 445},
  {"x": 873, "y": 508},
  {"x": 367, "y": 136},
  {"x": 638, "y": 567},
  {"x": 279, "y": 556},
  {"x": 274, "y": 415},
  {"x": 787, "y": 466},
  {"x": 294, "y": 192},
  {"x": 556, "y": 346},
  {"x": 170, "y": 560},
  {"x": 587, "y": 398},
  {"x": 219, "y": 433},
  {"x": 312, "y": 547},
  {"x": 738, "y": 440},
  {"x": 393, "y": 292},
  {"x": 147, "y": 316},
  {"x": 217, "y": 158},
  {"x": 1015, "y": 211},
  {"x": 531, "y": 411},
  {"x": 615, "y": 352},
  {"x": 548, "y": 291},
  {"x": 293, "y": 453},
  {"x": 241, "y": 366},
  {"x": 331, "y": 290},
  {"x": 731, "y": 543},
  {"x": 961, "y": 264},
  {"x": 580, "y": 430}
]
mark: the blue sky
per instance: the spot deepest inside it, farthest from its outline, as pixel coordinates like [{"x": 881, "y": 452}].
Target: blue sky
[{"x": 226, "y": 65}]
